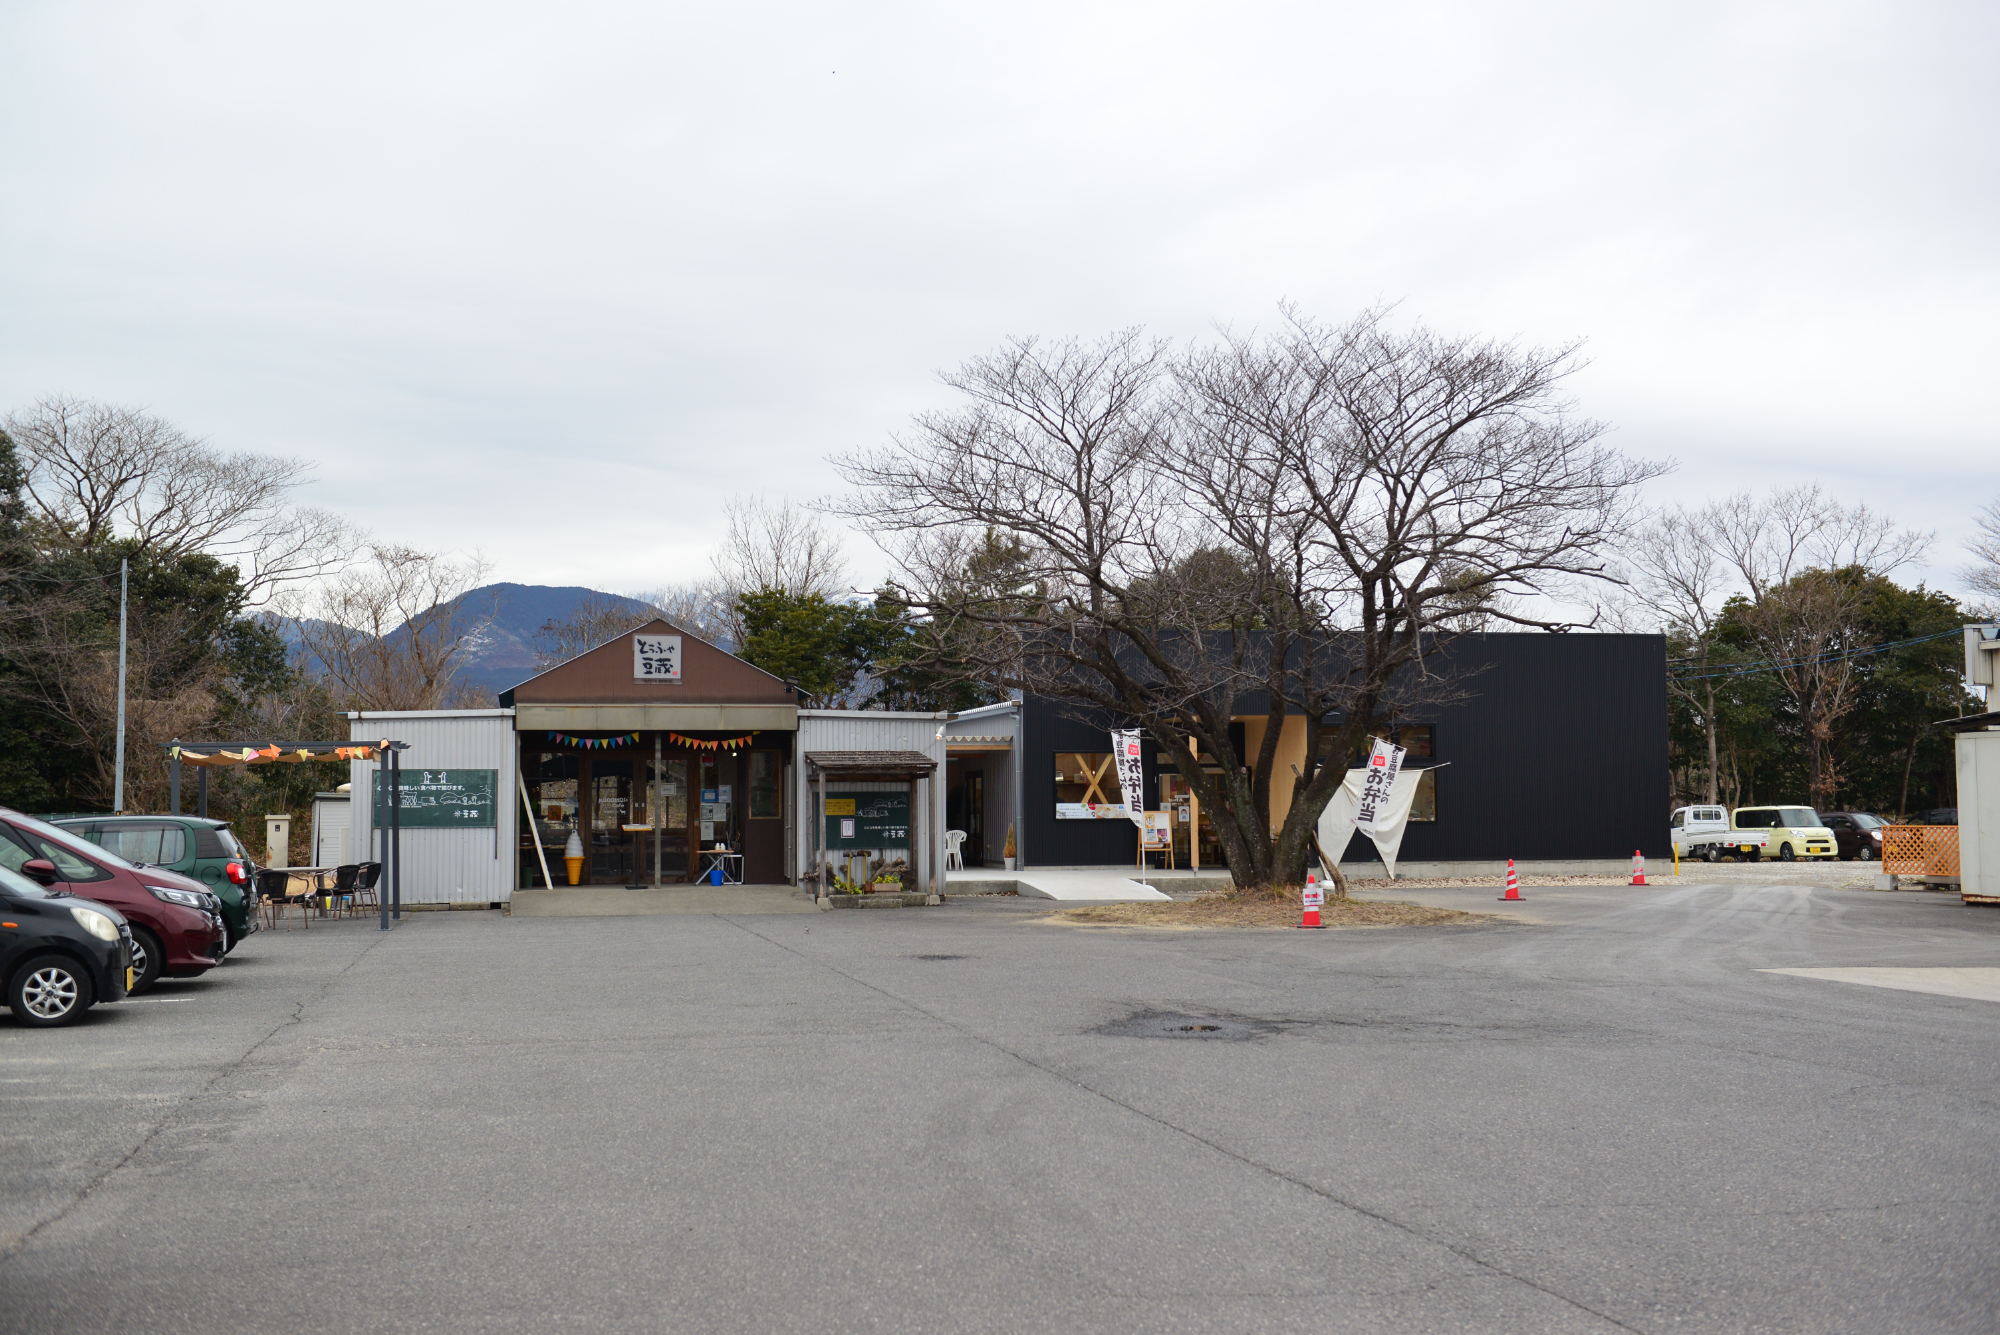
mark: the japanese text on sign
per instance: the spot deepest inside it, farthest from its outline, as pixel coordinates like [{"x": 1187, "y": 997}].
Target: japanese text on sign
[{"x": 656, "y": 658}]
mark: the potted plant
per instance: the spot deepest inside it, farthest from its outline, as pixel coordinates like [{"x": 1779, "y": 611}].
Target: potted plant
[
  {"x": 1009, "y": 853},
  {"x": 885, "y": 882}
]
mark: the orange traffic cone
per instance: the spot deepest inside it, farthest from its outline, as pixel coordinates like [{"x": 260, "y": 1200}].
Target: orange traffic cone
[
  {"x": 1638, "y": 867},
  {"x": 1513, "y": 884},
  {"x": 1314, "y": 897}
]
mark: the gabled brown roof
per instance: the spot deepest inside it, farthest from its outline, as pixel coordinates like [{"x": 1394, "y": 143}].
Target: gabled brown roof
[{"x": 603, "y": 676}]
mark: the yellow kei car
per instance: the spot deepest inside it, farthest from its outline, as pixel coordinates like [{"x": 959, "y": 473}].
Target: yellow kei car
[{"x": 1794, "y": 832}]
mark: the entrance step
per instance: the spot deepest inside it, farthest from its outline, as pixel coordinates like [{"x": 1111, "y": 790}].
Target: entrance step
[{"x": 617, "y": 901}]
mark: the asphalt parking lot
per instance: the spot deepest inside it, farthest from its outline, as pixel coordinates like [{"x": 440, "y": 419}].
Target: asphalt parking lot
[{"x": 1605, "y": 1116}]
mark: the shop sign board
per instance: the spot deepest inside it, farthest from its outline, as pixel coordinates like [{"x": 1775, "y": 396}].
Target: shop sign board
[
  {"x": 868, "y": 820},
  {"x": 441, "y": 799},
  {"x": 1385, "y": 762},
  {"x": 1092, "y": 811},
  {"x": 656, "y": 658}
]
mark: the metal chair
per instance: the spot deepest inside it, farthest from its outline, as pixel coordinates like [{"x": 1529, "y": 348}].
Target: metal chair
[
  {"x": 339, "y": 900},
  {"x": 954, "y": 840},
  {"x": 275, "y": 885},
  {"x": 366, "y": 874}
]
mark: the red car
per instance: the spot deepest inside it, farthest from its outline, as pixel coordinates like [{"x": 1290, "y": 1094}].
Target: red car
[{"x": 177, "y": 928}]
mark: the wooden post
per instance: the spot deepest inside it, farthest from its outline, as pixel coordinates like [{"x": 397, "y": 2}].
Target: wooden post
[{"x": 1194, "y": 814}]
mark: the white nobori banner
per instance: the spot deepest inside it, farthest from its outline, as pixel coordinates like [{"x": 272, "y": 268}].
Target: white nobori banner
[
  {"x": 1128, "y": 749},
  {"x": 1385, "y": 762}
]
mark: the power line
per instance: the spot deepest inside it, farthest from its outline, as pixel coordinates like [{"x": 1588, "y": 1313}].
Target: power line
[{"x": 1832, "y": 656}]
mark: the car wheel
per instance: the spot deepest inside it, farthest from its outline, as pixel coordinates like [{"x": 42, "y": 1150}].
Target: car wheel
[
  {"x": 1709, "y": 854},
  {"x": 1866, "y": 854},
  {"x": 49, "y": 990},
  {"x": 148, "y": 958},
  {"x": 1785, "y": 853}
]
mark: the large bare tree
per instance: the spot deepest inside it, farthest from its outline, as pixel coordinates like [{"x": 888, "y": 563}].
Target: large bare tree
[
  {"x": 1299, "y": 517},
  {"x": 98, "y": 472}
]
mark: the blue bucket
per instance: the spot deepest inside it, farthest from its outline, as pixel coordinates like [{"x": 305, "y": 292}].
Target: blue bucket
[{"x": 715, "y": 876}]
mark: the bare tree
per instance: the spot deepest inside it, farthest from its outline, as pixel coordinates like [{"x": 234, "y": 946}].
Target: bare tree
[
  {"x": 703, "y": 609},
  {"x": 1798, "y": 559},
  {"x": 1676, "y": 582},
  {"x": 1297, "y": 516},
  {"x": 596, "y": 618},
  {"x": 1983, "y": 575},
  {"x": 392, "y": 634},
  {"x": 96, "y": 471},
  {"x": 1800, "y": 556},
  {"x": 775, "y": 546}
]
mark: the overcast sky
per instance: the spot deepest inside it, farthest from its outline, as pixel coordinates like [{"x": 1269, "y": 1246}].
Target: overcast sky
[{"x": 552, "y": 281}]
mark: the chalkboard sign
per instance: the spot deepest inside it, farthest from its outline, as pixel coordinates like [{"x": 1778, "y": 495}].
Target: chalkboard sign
[
  {"x": 867, "y": 820},
  {"x": 441, "y": 799}
]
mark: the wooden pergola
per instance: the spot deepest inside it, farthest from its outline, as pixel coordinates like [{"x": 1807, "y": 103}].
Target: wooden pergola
[{"x": 911, "y": 767}]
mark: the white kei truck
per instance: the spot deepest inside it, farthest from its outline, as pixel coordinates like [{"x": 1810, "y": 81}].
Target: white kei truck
[{"x": 1705, "y": 833}]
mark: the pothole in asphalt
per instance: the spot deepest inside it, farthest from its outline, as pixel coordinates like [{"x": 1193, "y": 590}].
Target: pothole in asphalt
[{"x": 1173, "y": 1024}]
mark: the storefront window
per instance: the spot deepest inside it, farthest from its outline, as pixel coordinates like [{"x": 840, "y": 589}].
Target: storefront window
[
  {"x": 1418, "y": 742},
  {"x": 764, "y": 784},
  {"x": 1087, "y": 787}
]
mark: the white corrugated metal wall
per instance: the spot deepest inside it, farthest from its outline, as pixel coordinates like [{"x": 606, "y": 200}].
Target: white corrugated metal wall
[
  {"x": 870, "y": 730},
  {"x": 444, "y": 866}
]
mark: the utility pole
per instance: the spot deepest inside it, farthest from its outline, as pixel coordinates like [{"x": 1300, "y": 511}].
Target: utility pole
[{"x": 118, "y": 782}]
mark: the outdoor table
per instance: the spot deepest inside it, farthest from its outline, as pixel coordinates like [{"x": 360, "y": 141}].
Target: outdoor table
[{"x": 730, "y": 863}]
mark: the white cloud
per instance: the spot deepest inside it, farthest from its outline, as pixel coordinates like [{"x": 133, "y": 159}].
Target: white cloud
[{"x": 552, "y": 282}]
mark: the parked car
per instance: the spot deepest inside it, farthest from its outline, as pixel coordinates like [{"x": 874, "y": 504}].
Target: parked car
[
  {"x": 177, "y": 929},
  {"x": 1706, "y": 833},
  {"x": 198, "y": 848},
  {"x": 60, "y": 954},
  {"x": 1935, "y": 816},
  {"x": 1857, "y": 833},
  {"x": 1791, "y": 832}
]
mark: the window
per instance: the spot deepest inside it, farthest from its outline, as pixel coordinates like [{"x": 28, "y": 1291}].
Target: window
[
  {"x": 69, "y": 866},
  {"x": 1799, "y": 818},
  {"x": 1419, "y": 742},
  {"x": 764, "y": 771},
  {"x": 1756, "y": 818},
  {"x": 1868, "y": 822},
  {"x": 1086, "y": 779},
  {"x": 1424, "y": 806},
  {"x": 156, "y": 845},
  {"x": 1680, "y": 819}
]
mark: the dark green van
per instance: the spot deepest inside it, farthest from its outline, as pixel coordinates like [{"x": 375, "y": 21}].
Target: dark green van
[{"x": 191, "y": 845}]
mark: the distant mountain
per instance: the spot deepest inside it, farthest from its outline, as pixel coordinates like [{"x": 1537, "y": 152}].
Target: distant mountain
[{"x": 502, "y": 654}]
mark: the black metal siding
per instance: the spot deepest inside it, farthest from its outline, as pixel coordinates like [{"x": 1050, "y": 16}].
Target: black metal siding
[{"x": 1558, "y": 750}]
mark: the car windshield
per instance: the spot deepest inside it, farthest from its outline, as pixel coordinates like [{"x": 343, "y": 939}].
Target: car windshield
[
  {"x": 14, "y": 883},
  {"x": 1868, "y": 822},
  {"x": 67, "y": 839},
  {"x": 1800, "y": 818}
]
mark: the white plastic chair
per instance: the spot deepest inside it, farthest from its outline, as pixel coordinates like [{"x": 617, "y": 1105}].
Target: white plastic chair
[{"x": 953, "y": 859}]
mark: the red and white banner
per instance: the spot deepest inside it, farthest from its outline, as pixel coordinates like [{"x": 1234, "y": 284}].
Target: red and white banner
[
  {"x": 1385, "y": 762},
  {"x": 1128, "y": 751}
]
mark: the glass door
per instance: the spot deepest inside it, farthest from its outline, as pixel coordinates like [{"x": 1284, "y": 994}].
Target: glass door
[
  {"x": 667, "y": 804},
  {"x": 611, "y": 851}
]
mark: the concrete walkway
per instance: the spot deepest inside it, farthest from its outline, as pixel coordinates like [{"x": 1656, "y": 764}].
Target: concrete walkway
[
  {"x": 617, "y": 901},
  {"x": 1096, "y": 884}
]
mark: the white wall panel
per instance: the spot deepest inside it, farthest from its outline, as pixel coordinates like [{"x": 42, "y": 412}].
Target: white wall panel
[
  {"x": 444, "y": 866},
  {"x": 871, "y": 730}
]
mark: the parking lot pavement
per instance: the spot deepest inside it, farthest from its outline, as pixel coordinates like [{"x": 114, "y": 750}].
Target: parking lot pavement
[{"x": 965, "y": 1118}]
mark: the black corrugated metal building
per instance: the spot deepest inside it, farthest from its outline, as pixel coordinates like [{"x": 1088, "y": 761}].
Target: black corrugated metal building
[{"x": 1556, "y": 750}]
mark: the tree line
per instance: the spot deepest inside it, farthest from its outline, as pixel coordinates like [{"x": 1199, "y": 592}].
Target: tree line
[{"x": 1137, "y": 528}]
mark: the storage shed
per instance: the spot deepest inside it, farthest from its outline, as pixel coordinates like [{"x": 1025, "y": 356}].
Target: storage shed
[{"x": 460, "y": 802}]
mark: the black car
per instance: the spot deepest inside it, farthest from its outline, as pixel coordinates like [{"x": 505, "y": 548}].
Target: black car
[
  {"x": 60, "y": 954},
  {"x": 1857, "y": 833}
]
